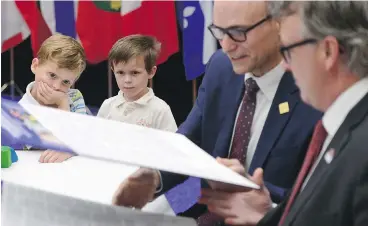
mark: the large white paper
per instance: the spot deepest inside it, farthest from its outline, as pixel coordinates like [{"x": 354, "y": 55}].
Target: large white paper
[
  {"x": 79, "y": 177},
  {"x": 132, "y": 144},
  {"x": 25, "y": 206}
]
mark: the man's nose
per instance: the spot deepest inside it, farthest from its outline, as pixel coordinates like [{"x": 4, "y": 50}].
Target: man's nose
[{"x": 227, "y": 44}]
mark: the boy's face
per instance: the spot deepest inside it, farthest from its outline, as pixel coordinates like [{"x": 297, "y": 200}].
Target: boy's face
[
  {"x": 132, "y": 77},
  {"x": 59, "y": 79}
]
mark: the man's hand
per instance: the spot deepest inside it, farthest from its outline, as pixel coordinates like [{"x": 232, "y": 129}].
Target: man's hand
[
  {"x": 234, "y": 165},
  {"x": 138, "y": 189},
  {"x": 239, "y": 208},
  {"x": 50, "y": 156},
  {"x": 49, "y": 96}
]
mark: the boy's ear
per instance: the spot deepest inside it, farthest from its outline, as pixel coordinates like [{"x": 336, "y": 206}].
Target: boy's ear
[
  {"x": 152, "y": 73},
  {"x": 34, "y": 65}
]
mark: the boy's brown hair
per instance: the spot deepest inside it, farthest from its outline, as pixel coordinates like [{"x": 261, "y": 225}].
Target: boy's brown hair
[
  {"x": 63, "y": 50},
  {"x": 133, "y": 46}
]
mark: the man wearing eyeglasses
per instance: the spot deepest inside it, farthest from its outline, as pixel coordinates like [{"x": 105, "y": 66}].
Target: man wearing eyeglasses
[
  {"x": 248, "y": 109},
  {"x": 326, "y": 48}
]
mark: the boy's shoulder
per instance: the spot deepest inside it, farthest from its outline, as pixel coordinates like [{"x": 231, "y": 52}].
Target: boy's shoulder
[
  {"x": 111, "y": 100},
  {"x": 159, "y": 104},
  {"x": 74, "y": 95}
]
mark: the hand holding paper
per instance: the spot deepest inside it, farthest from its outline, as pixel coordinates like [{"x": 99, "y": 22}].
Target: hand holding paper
[{"x": 138, "y": 189}]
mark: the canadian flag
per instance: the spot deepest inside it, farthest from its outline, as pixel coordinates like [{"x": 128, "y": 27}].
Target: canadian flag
[{"x": 14, "y": 29}]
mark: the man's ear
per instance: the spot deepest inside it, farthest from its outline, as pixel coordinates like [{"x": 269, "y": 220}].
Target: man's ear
[
  {"x": 152, "y": 72},
  {"x": 34, "y": 65}
]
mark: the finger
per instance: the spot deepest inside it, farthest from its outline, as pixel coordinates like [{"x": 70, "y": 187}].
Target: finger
[
  {"x": 238, "y": 168},
  {"x": 235, "y": 221},
  {"x": 219, "y": 195},
  {"x": 47, "y": 89},
  {"x": 54, "y": 157},
  {"x": 43, "y": 155},
  {"x": 228, "y": 162},
  {"x": 258, "y": 177},
  {"x": 142, "y": 174},
  {"x": 224, "y": 212},
  {"x": 48, "y": 157}
]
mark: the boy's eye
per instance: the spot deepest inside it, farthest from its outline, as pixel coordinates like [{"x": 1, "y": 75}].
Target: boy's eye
[
  {"x": 52, "y": 75},
  {"x": 66, "y": 82},
  {"x": 135, "y": 72}
]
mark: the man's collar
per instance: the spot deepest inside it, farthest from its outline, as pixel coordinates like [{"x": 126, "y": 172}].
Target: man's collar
[{"x": 269, "y": 82}]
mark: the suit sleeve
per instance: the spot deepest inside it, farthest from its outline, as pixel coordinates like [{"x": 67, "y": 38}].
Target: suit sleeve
[
  {"x": 360, "y": 202},
  {"x": 191, "y": 128}
]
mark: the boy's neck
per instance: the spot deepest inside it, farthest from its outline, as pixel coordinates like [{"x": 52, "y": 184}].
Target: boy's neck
[{"x": 140, "y": 95}]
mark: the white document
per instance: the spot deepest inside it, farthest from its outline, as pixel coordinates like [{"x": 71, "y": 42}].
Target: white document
[
  {"x": 25, "y": 206},
  {"x": 135, "y": 145},
  {"x": 79, "y": 177}
]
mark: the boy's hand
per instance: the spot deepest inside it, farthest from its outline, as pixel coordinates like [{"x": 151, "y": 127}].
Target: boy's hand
[
  {"x": 50, "y": 156},
  {"x": 49, "y": 96}
]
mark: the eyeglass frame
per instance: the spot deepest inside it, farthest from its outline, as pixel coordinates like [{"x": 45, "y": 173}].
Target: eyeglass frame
[
  {"x": 238, "y": 28},
  {"x": 285, "y": 50}
]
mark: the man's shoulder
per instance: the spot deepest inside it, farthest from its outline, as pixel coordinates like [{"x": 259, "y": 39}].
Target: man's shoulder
[{"x": 219, "y": 60}]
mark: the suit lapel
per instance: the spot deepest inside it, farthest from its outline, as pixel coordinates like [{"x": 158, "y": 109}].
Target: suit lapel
[
  {"x": 339, "y": 141},
  {"x": 275, "y": 122},
  {"x": 229, "y": 106}
]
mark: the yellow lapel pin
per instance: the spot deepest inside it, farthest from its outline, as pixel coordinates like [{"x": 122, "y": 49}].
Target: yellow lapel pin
[{"x": 284, "y": 108}]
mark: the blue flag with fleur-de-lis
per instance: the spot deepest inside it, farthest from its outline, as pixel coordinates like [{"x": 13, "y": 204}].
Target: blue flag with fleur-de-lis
[{"x": 198, "y": 43}]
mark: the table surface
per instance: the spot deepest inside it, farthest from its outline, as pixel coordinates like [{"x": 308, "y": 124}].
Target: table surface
[{"x": 78, "y": 177}]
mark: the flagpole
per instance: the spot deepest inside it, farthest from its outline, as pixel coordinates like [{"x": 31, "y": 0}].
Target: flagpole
[
  {"x": 12, "y": 82},
  {"x": 109, "y": 81},
  {"x": 194, "y": 90}
]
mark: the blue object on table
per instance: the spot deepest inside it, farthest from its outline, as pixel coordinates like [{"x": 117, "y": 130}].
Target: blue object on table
[{"x": 14, "y": 156}]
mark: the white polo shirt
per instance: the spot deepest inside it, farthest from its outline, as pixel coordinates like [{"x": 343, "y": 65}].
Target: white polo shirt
[{"x": 149, "y": 111}]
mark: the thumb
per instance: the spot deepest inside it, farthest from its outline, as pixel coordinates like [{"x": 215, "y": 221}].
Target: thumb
[{"x": 258, "y": 177}]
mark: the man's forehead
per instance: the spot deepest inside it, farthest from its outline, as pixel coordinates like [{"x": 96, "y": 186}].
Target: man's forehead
[
  {"x": 239, "y": 12},
  {"x": 290, "y": 28}
]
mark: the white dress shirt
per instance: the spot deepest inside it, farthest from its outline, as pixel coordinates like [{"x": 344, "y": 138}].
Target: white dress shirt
[
  {"x": 268, "y": 84},
  {"x": 336, "y": 114}
]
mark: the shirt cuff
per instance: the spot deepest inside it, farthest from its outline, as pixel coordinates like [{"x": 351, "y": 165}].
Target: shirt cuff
[{"x": 160, "y": 187}]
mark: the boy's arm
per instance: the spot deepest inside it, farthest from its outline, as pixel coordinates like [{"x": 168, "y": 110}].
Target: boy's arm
[
  {"x": 166, "y": 121},
  {"x": 77, "y": 102}
]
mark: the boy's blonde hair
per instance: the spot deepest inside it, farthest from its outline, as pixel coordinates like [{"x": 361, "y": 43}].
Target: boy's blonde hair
[
  {"x": 63, "y": 50},
  {"x": 133, "y": 46}
]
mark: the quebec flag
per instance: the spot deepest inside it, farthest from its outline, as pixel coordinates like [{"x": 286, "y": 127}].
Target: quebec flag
[
  {"x": 60, "y": 16},
  {"x": 198, "y": 43}
]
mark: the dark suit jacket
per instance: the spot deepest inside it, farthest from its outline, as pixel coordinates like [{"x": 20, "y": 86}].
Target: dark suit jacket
[
  {"x": 337, "y": 193},
  {"x": 284, "y": 139}
]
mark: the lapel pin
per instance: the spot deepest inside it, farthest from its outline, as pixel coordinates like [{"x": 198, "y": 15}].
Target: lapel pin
[
  {"x": 329, "y": 156},
  {"x": 284, "y": 108}
]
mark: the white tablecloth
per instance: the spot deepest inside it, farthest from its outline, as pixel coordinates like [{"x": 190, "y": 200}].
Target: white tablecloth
[{"x": 78, "y": 177}]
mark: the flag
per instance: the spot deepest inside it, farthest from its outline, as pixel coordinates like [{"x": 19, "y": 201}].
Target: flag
[
  {"x": 14, "y": 29},
  {"x": 45, "y": 18},
  {"x": 198, "y": 43},
  {"x": 101, "y": 23}
]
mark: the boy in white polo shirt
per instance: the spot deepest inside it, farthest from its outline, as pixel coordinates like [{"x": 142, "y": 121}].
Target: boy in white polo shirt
[{"x": 133, "y": 61}]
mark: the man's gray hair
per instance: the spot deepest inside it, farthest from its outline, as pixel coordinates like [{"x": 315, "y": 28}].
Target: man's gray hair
[{"x": 347, "y": 21}]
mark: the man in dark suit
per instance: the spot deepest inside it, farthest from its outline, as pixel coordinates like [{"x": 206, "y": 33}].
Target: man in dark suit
[
  {"x": 326, "y": 48},
  {"x": 248, "y": 107}
]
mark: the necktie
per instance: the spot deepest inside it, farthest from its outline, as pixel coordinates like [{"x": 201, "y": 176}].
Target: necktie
[
  {"x": 315, "y": 146},
  {"x": 240, "y": 140}
]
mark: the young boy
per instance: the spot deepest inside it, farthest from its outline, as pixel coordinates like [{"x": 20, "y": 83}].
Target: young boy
[
  {"x": 59, "y": 63},
  {"x": 133, "y": 61}
]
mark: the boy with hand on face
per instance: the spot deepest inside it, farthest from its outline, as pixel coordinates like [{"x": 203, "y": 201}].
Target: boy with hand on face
[{"x": 59, "y": 63}]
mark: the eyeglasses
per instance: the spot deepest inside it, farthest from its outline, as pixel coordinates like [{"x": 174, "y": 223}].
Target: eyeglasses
[
  {"x": 285, "y": 50},
  {"x": 236, "y": 33}
]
